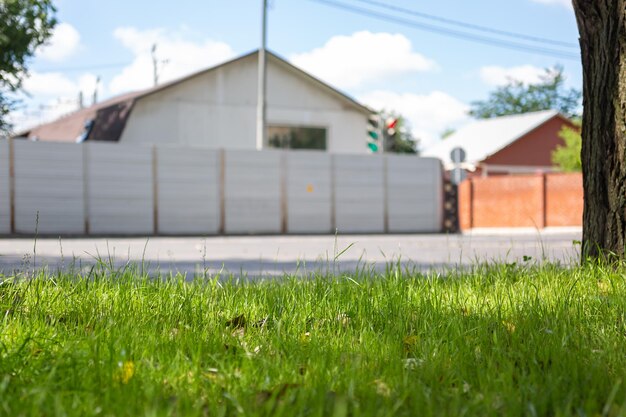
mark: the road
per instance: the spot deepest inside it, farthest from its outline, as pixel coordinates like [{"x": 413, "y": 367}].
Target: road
[{"x": 257, "y": 256}]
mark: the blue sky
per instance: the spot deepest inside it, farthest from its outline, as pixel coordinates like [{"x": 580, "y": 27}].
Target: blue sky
[{"x": 428, "y": 77}]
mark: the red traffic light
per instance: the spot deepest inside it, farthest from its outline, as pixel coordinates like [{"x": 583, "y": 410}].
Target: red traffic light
[{"x": 391, "y": 124}]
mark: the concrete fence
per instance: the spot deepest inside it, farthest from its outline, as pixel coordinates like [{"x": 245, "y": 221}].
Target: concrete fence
[
  {"x": 115, "y": 189},
  {"x": 534, "y": 201}
]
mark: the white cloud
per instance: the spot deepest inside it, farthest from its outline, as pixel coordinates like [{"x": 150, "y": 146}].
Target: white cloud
[
  {"x": 58, "y": 86},
  {"x": 54, "y": 95},
  {"x": 428, "y": 114},
  {"x": 564, "y": 3},
  {"x": 25, "y": 118},
  {"x": 182, "y": 57},
  {"x": 498, "y": 76},
  {"x": 49, "y": 84},
  {"x": 351, "y": 61},
  {"x": 64, "y": 42}
]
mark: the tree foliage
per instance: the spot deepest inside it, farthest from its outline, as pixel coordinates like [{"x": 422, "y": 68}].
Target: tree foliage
[
  {"x": 516, "y": 97},
  {"x": 26, "y": 24},
  {"x": 567, "y": 157},
  {"x": 403, "y": 140}
]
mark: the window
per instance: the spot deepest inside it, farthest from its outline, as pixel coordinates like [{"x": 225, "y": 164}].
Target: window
[{"x": 296, "y": 137}]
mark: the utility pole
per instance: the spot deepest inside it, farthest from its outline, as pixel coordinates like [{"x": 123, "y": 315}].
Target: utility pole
[
  {"x": 155, "y": 74},
  {"x": 155, "y": 64},
  {"x": 95, "y": 91},
  {"x": 261, "y": 128}
]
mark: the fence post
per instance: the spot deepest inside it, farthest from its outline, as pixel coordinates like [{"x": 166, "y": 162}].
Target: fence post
[
  {"x": 544, "y": 200},
  {"x": 85, "y": 186},
  {"x": 284, "y": 207},
  {"x": 333, "y": 198},
  {"x": 155, "y": 191},
  {"x": 471, "y": 202},
  {"x": 222, "y": 190},
  {"x": 386, "y": 193},
  {"x": 12, "y": 185}
]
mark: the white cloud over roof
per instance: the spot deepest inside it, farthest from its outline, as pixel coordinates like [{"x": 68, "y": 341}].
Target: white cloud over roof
[
  {"x": 177, "y": 57},
  {"x": 354, "y": 60}
]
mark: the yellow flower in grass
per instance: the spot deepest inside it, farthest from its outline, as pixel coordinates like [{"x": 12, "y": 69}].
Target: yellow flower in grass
[
  {"x": 510, "y": 327},
  {"x": 382, "y": 388},
  {"x": 409, "y": 342},
  {"x": 125, "y": 372},
  {"x": 305, "y": 338},
  {"x": 604, "y": 288}
]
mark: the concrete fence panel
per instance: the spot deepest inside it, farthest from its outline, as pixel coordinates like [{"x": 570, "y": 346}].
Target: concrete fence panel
[
  {"x": 252, "y": 192},
  {"x": 48, "y": 188},
  {"x": 119, "y": 189},
  {"x": 309, "y": 192},
  {"x": 359, "y": 193},
  {"x": 414, "y": 194},
  {"x": 5, "y": 189},
  {"x": 188, "y": 190},
  {"x": 120, "y": 186}
]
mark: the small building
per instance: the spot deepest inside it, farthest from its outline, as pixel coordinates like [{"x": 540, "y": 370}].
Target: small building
[
  {"x": 514, "y": 144},
  {"x": 216, "y": 108}
]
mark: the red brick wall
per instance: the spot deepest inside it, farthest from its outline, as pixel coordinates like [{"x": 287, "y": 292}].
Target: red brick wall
[
  {"x": 465, "y": 205},
  {"x": 564, "y": 199},
  {"x": 541, "y": 200}
]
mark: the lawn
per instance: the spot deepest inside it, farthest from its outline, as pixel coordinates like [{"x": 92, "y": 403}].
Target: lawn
[{"x": 510, "y": 340}]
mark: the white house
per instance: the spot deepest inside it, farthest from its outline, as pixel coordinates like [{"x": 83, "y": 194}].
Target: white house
[{"x": 216, "y": 108}]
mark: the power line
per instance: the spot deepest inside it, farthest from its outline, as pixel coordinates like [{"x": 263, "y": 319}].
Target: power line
[
  {"x": 453, "y": 33},
  {"x": 471, "y": 25}
]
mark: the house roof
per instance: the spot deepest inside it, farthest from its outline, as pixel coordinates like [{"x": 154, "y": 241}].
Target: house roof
[
  {"x": 110, "y": 116},
  {"x": 483, "y": 138}
]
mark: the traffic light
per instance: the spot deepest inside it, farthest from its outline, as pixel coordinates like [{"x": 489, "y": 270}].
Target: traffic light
[
  {"x": 390, "y": 124},
  {"x": 373, "y": 133}
]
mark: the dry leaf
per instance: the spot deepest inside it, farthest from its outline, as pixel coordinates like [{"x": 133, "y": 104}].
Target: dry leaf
[{"x": 237, "y": 322}]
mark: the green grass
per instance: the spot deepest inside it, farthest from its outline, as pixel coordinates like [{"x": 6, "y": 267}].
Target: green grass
[{"x": 508, "y": 340}]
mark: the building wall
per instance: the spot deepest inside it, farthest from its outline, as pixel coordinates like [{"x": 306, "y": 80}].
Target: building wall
[
  {"x": 533, "y": 149},
  {"x": 217, "y": 109}
]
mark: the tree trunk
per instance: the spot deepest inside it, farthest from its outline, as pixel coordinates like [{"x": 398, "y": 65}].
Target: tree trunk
[{"x": 602, "y": 27}]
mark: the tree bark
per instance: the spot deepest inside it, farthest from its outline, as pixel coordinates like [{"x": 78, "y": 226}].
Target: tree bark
[{"x": 602, "y": 28}]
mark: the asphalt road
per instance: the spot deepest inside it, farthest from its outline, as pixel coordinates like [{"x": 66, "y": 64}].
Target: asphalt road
[{"x": 257, "y": 256}]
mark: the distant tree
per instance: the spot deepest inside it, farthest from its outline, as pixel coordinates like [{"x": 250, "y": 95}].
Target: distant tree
[
  {"x": 516, "y": 97},
  {"x": 25, "y": 25},
  {"x": 447, "y": 133},
  {"x": 403, "y": 140},
  {"x": 567, "y": 157}
]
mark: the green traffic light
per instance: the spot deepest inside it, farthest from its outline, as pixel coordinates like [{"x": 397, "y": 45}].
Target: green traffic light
[
  {"x": 373, "y": 134},
  {"x": 373, "y": 146}
]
